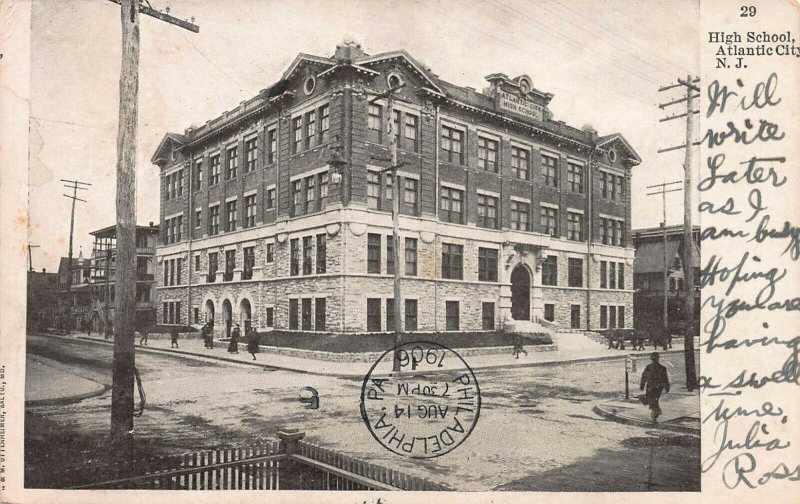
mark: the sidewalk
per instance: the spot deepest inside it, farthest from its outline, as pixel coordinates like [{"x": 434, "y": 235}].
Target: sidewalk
[
  {"x": 357, "y": 370},
  {"x": 50, "y": 382},
  {"x": 681, "y": 411}
]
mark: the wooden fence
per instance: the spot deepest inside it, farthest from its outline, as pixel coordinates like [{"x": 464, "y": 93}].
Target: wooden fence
[{"x": 288, "y": 464}]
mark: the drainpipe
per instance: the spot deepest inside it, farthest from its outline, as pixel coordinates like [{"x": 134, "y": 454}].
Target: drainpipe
[
  {"x": 590, "y": 232},
  {"x": 189, "y": 231},
  {"x": 436, "y": 213}
]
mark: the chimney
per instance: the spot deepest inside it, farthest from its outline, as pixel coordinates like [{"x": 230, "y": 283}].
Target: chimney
[
  {"x": 151, "y": 223},
  {"x": 44, "y": 270}
]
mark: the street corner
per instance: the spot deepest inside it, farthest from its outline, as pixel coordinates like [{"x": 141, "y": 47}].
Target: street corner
[
  {"x": 680, "y": 413},
  {"x": 48, "y": 383}
]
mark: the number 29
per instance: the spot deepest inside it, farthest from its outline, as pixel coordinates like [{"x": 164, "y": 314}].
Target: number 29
[{"x": 748, "y": 11}]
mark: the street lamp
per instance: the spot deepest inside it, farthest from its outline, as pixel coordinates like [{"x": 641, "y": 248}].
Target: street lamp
[{"x": 337, "y": 163}]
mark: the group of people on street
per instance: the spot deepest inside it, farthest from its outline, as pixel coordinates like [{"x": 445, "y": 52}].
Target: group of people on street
[{"x": 252, "y": 340}]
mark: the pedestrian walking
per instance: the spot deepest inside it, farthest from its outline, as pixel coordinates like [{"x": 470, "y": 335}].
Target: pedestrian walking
[
  {"x": 173, "y": 334},
  {"x": 208, "y": 334},
  {"x": 518, "y": 348},
  {"x": 144, "y": 334},
  {"x": 654, "y": 381},
  {"x": 233, "y": 346},
  {"x": 252, "y": 342}
]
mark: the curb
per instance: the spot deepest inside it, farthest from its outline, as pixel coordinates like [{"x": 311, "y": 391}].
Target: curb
[
  {"x": 60, "y": 401},
  {"x": 642, "y": 423}
]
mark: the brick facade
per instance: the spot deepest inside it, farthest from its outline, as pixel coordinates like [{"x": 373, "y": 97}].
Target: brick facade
[{"x": 321, "y": 104}]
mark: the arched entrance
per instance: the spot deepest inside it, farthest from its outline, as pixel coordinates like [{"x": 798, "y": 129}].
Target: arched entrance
[
  {"x": 520, "y": 293},
  {"x": 209, "y": 311},
  {"x": 245, "y": 314},
  {"x": 227, "y": 317}
]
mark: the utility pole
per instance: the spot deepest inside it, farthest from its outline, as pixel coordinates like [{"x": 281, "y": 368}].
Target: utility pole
[
  {"x": 663, "y": 192},
  {"x": 690, "y": 87},
  {"x": 107, "y": 298},
  {"x": 125, "y": 297},
  {"x": 75, "y": 185},
  {"x": 30, "y": 257},
  {"x": 392, "y": 170}
]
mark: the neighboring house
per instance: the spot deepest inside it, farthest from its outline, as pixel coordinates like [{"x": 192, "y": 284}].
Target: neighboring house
[
  {"x": 505, "y": 212},
  {"x": 42, "y": 300},
  {"x": 76, "y": 293},
  {"x": 103, "y": 276},
  {"x": 649, "y": 277}
]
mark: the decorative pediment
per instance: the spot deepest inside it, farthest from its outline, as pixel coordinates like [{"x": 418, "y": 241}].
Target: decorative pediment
[
  {"x": 169, "y": 144},
  {"x": 616, "y": 144}
]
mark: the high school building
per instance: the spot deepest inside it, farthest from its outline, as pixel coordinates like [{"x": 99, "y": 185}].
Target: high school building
[{"x": 505, "y": 213}]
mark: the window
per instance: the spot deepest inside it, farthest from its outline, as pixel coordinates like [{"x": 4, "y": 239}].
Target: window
[
  {"x": 270, "y": 252},
  {"x": 197, "y": 315},
  {"x": 294, "y": 308},
  {"x": 618, "y": 241},
  {"x": 294, "y": 257},
  {"x": 619, "y": 192},
  {"x": 306, "y": 314},
  {"x": 250, "y": 154},
  {"x": 487, "y": 211},
  {"x": 575, "y": 272},
  {"x": 611, "y": 231},
  {"x": 612, "y": 316},
  {"x": 213, "y": 266},
  {"x": 250, "y": 211},
  {"x": 249, "y": 261},
  {"x": 487, "y": 154},
  {"x": 373, "y": 253},
  {"x": 373, "y": 314},
  {"x": 324, "y": 123},
  {"x": 550, "y": 171},
  {"x": 574, "y": 226},
  {"x": 452, "y": 261},
  {"x": 412, "y": 126},
  {"x": 575, "y": 177},
  {"x": 410, "y": 195},
  {"x": 388, "y": 193},
  {"x": 398, "y": 132},
  {"x": 311, "y": 129},
  {"x": 411, "y": 257},
  {"x": 213, "y": 220},
  {"x": 575, "y": 316},
  {"x": 319, "y": 314},
  {"x": 603, "y": 275},
  {"x": 550, "y": 270},
  {"x": 452, "y": 145},
  {"x": 671, "y": 284},
  {"x": 230, "y": 265},
  {"x": 178, "y": 270},
  {"x": 311, "y": 194},
  {"x": 373, "y": 190},
  {"x": 390, "y": 314},
  {"x": 213, "y": 170},
  {"x": 297, "y": 194},
  {"x": 297, "y": 134},
  {"x": 487, "y": 316},
  {"x": 308, "y": 254},
  {"x": 173, "y": 229},
  {"x": 390, "y": 255},
  {"x": 197, "y": 263},
  {"x": 374, "y": 120},
  {"x": 613, "y": 186},
  {"x": 451, "y": 209},
  {"x": 232, "y": 163},
  {"x": 270, "y": 203},
  {"x": 621, "y": 276},
  {"x": 603, "y": 317},
  {"x": 550, "y": 312},
  {"x": 612, "y": 274},
  {"x": 270, "y": 317},
  {"x": 323, "y": 189},
  {"x": 487, "y": 264},
  {"x": 549, "y": 221},
  {"x": 411, "y": 315},
  {"x": 621, "y": 316},
  {"x": 322, "y": 253},
  {"x": 451, "y": 315},
  {"x": 198, "y": 218},
  {"x": 232, "y": 215},
  {"x": 520, "y": 163},
  {"x": 197, "y": 180},
  {"x": 272, "y": 145},
  {"x": 519, "y": 215}
]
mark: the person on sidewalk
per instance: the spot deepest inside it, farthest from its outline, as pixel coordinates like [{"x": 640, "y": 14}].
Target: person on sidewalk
[
  {"x": 173, "y": 334},
  {"x": 518, "y": 348},
  {"x": 233, "y": 346},
  {"x": 252, "y": 342},
  {"x": 654, "y": 381},
  {"x": 205, "y": 332},
  {"x": 144, "y": 334}
]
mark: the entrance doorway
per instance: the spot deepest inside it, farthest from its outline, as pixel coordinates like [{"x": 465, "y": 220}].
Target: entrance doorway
[
  {"x": 227, "y": 317},
  {"x": 520, "y": 293},
  {"x": 245, "y": 314}
]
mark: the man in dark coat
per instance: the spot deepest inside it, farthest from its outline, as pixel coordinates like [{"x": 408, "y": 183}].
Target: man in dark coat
[
  {"x": 654, "y": 381},
  {"x": 252, "y": 342},
  {"x": 208, "y": 335},
  {"x": 173, "y": 334}
]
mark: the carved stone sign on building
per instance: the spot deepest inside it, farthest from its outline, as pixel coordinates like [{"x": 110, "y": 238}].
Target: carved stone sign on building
[{"x": 519, "y": 105}]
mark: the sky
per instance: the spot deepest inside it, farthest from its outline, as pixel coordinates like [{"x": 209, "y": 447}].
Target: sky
[{"x": 602, "y": 60}]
